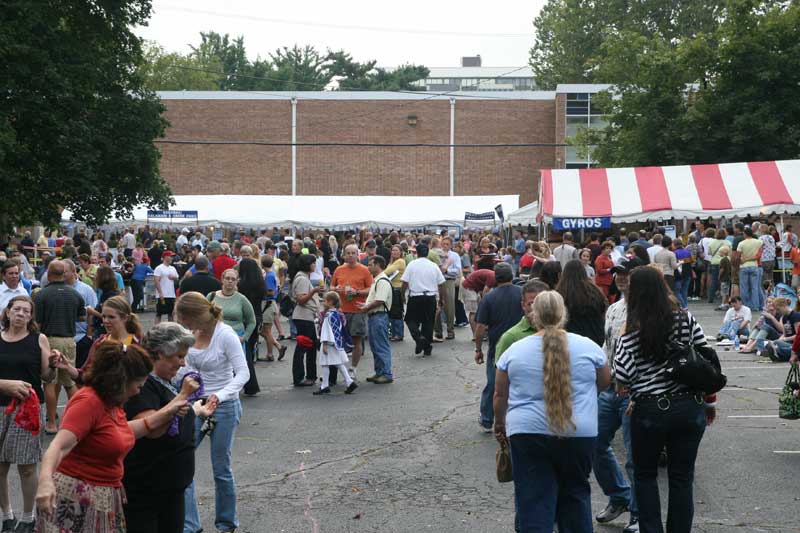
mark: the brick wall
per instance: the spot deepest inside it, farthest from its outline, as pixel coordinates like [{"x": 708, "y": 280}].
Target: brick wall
[{"x": 255, "y": 169}]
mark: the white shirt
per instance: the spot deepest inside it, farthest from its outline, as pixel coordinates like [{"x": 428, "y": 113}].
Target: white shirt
[
  {"x": 165, "y": 277},
  {"x": 653, "y": 250},
  {"x": 222, "y": 364},
  {"x": 705, "y": 242},
  {"x": 90, "y": 298},
  {"x": 6, "y": 293},
  {"x": 180, "y": 241},
  {"x": 423, "y": 277},
  {"x": 744, "y": 314},
  {"x": 454, "y": 269},
  {"x": 318, "y": 273},
  {"x": 128, "y": 241}
]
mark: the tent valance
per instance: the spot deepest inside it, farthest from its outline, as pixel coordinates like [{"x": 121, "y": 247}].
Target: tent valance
[
  {"x": 524, "y": 216},
  {"x": 649, "y": 193}
]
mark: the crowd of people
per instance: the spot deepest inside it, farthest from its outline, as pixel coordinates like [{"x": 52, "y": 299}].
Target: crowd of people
[{"x": 575, "y": 350}]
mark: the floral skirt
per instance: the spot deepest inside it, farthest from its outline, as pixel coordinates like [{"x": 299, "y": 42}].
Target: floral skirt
[{"x": 84, "y": 508}]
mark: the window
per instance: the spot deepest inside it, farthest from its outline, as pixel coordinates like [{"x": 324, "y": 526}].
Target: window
[
  {"x": 577, "y": 165},
  {"x": 574, "y": 124}
]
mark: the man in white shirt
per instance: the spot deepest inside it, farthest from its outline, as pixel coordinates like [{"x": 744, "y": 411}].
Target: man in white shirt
[
  {"x": 653, "y": 250},
  {"x": 566, "y": 251},
  {"x": 451, "y": 269},
  {"x": 377, "y": 305},
  {"x": 182, "y": 238},
  {"x": 165, "y": 277},
  {"x": 423, "y": 280},
  {"x": 736, "y": 322},
  {"x": 128, "y": 242},
  {"x": 11, "y": 286}
]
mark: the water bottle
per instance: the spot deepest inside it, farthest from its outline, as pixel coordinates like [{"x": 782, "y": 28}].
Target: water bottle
[{"x": 736, "y": 342}]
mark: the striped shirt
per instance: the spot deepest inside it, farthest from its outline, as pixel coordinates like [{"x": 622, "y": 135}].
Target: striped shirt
[{"x": 647, "y": 376}]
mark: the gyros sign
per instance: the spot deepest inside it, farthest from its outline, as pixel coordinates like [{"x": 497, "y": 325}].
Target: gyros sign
[{"x": 565, "y": 224}]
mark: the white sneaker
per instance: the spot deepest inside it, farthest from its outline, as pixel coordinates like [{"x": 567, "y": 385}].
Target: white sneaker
[{"x": 725, "y": 342}]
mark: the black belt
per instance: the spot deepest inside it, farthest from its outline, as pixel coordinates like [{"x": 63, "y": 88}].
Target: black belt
[{"x": 664, "y": 400}]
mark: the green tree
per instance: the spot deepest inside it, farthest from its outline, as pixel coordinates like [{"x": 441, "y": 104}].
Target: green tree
[
  {"x": 353, "y": 75},
  {"x": 300, "y": 69},
  {"x": 570, "y": 33},
  {"x": 162, "y": 71},
  {"x": 76, "y": 124}
]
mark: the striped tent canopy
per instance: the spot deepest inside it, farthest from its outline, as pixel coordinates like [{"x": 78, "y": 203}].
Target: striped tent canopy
[{"x": 649, "y": 193}]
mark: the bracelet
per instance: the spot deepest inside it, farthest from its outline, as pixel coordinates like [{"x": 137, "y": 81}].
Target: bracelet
[{"x": 147, "y": 425}]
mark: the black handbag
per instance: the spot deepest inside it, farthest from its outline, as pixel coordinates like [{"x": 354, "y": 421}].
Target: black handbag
[
  {"x": 697, "y": 367},
  {"x": 287, "y": 305}
]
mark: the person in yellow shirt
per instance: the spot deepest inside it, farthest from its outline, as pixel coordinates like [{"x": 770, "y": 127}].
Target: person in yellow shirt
[{"x": 394, "y": 271}]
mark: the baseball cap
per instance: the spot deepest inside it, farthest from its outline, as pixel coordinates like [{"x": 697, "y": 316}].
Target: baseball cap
[
  {"x": 626, "y": 266},
  {"x": 372, "y": 244},
  {"x": 503, "y": 272},
  {"x": 214, "y": 245},
  {"x": 168, "y": 253}
]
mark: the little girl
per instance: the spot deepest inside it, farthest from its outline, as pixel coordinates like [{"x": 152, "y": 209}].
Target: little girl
[{"x": 333, "y": 339}]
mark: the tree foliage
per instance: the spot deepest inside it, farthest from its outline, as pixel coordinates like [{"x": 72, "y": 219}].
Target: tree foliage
[
  {"x": 76, "y": 124},
  {"x": 221, "y": 63},
  {"x": 725, "y": 96}
]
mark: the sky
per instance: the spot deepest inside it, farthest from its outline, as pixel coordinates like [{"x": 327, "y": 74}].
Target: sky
[{"x": 426, "y": 32}]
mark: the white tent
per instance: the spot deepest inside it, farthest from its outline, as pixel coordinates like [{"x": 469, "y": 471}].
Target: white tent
[
  {"x": 525, "y": 215},
  {"x": 328, "y": 211}
]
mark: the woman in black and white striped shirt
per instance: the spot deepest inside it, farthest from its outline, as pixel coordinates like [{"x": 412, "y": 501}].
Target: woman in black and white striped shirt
[{"x": 664, "y": 413}]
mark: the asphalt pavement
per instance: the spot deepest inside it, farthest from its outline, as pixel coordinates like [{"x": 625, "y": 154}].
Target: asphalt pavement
[{"x": 410, "y": 456}]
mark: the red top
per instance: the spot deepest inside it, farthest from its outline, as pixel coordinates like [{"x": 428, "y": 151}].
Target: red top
[
  {"x": 796, "y": 344},
  {"x": 104, "y": 439},
  {"x": 602, "y": 266},
  {"x": 222, "y": 263},
  {"x": 479, "y": 280},
  {"x": 526, "y": 261}
]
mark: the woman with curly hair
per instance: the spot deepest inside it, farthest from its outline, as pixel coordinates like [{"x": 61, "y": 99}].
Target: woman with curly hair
[
  {"x": 80, "y": 482},
  {"x": 545, "y": 406}
]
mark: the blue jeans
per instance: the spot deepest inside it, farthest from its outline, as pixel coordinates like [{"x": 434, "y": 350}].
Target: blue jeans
[
  {"x": 228, "y": 415},
  {"x": 713, "y": 283},
  {"x": 749, "y": 287},
  {"x": 680, "y": 428},
  {"x": 610, "y": 417},
  {"x": 551, "y": 482},
  {"x": 487, "y": 396},
  {"x": 398, "y": 327},
  {"x": 378, "y": 336},
  {"x": 731, "y": 327},
  {"x": 682, "y": 291}
]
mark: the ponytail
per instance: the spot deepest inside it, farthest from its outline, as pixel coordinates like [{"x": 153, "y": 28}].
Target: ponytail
[{"x": 549, "y": 316}]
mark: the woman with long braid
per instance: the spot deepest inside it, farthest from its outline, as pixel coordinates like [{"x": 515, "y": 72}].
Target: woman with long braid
[{"x": 545, "y": 404}]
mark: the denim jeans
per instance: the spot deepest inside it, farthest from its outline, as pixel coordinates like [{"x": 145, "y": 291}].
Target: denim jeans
[
  {"x": 487, "y": 396},
  {"x": 551, "y": 482},
  {"x": 731, "y": 327},
  {"x": 227, "y": 415},
  {"x": 397, "y": 327},
  {"x": 378, "y": 336},
  {"x": 611, "y": 416},
  {"x": 680, "y": 428},
  {"x": 749, "y": 287},
  {"x": 766, "y": 333},
  {"x": 713, "y": 283},
  {"x": 682, "y": 291}
]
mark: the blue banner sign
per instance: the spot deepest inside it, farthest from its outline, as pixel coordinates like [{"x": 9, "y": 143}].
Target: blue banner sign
[
  {"x": 171, "y": 213},
  {"x": 489, "y": 215},
  {"x": 568, "y": 224}
]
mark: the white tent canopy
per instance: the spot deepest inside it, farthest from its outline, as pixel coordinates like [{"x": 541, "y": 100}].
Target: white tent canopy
[
  {"x": 328, "y": 211},
  {"x": 525, "y": 215}
]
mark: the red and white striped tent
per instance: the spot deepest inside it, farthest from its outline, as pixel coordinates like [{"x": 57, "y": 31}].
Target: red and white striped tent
[{"x": 649, "y": 193}]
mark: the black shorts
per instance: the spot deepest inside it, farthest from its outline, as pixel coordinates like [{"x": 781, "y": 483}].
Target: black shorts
[{"x": 165, "y": 308}]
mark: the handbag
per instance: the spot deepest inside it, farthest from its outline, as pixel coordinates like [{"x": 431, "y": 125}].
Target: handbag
[
  {"x": 287, "y": 305},
  {"x": 697, "y": 367},
  {"x": 788, "y": 403},
  {"x": 503, "y": 461}
]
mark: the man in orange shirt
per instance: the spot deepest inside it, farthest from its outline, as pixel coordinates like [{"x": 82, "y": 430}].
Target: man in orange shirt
[
  {"x": 794, "y": 255},
  {"x": 352, "y": 281}
]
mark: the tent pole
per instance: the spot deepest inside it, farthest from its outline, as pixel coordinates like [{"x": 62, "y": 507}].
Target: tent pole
[{"x": 783, "y": 265}]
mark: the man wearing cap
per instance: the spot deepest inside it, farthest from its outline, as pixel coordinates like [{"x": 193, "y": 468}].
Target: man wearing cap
[
  {"x": 498, "y": 312},
  {"x": 611, "y": 409},
  {"x": 165, "y": 277},
  {"x": 371, "y": 250},
  {"x": 223, "y": 261},
  {"x": 423, "y": 280}
]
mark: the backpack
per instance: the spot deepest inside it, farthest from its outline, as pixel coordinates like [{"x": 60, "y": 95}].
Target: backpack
[{"x": 396, "y": 311}]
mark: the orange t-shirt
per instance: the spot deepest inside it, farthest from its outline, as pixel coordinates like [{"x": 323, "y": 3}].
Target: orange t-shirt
[
  {"x": 795, "y": 257},
  {"x": 104, "y": 439},
  {"x": 359, "y": 278}
]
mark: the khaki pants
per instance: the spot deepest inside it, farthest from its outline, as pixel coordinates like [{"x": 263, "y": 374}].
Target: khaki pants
[
  {"x": 449, "y": 309},
  {"x": 65, "y": 345}
]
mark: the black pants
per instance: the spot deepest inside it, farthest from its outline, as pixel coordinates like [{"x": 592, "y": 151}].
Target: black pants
[
  {"x": 420, "y": 316},
  {"x": 307, "y": 328},
  {"x": 461, "y": 313},
  {"x": 251, "y": 387},
  {"x": 680, "y": 428},
  {"x": 155, "y": 512},
  {"x": 137, "y": 288}
]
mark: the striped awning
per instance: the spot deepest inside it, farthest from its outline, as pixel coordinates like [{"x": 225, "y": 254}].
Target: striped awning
[{"x": 650, "y": 193}]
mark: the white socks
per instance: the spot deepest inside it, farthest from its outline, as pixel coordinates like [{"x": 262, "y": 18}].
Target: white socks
[
  {"x": 7, "y": 515},
  {"x": 27, "y": 517}
]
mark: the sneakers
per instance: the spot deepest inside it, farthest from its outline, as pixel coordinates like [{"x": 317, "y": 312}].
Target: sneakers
[
  {"x": 326, "y": 390},
  {"x": 770, "y": 351},
  {"x": 437, "y": 339},
  {"x": 382, "y": 380},
  {"x": 725, "y": 342},
  {"x": 610, "y": 513},
  {"x": 371, "y": 378},
  {"x": 632, "y": 527}
]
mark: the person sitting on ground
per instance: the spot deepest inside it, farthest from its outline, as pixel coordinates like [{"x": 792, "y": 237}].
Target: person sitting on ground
[
  {"x": 736, "y": 322},
  {"x": 766, "y": 328},
  {"x": 780, "y": 349}
]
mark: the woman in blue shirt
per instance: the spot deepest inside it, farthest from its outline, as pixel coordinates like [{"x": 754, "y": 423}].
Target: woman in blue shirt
[{"x": 545, "y": 405}]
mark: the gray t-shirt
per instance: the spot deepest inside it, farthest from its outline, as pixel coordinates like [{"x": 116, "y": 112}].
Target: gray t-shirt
[{"x": 302, "y": 285}]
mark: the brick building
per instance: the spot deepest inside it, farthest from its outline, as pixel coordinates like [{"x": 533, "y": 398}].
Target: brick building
[{"x": 369, "y": 143}]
